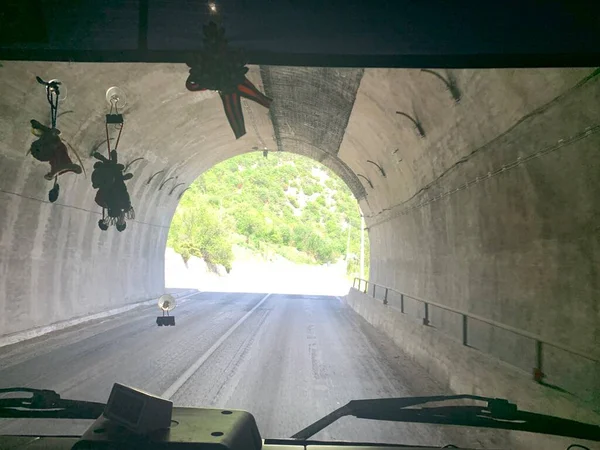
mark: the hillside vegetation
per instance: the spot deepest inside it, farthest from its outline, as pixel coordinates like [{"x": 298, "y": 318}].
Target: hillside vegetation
[{"x": 283, "y": 205}]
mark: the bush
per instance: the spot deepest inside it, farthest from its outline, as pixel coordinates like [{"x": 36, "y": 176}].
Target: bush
[
  {"x": 293, "y": 201},
  {"x": 197, "y": 231},
  {"x": 308, "y": 189},
  {"x": 244, "y": 197}
]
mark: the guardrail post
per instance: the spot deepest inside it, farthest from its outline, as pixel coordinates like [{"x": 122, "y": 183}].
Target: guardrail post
[
  {"x": 538, "y": 373},
  {"x": 402, "y": 303},
  {"x": 366, "y": 287},
  {"x": 426, "y": 318},
  {"x": 374, "y": 290},
  {"x": 465, "y": 335},
  {"x": 385, "y": 302}
]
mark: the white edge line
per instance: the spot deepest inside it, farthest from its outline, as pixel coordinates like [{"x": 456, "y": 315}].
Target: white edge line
[
  {"x": 20, "y": 336},
  {"x": 194, "y": 367}
]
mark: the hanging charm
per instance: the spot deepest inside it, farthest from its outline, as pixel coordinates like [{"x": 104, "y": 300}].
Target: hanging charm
[
  {"x": 221, "y": 68},
  {"x": 112, "y": 196},
  {"x": 109, "y": 178},
  {"x": 49, "y": 147}
]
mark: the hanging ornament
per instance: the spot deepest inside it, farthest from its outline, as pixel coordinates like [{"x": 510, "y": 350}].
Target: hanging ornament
[
  {"x": 49, "y": 147},
  {"x": 112, "y": 196},
  {"x": 109, "y": 176},
  {"x": 220, "y": 68}
]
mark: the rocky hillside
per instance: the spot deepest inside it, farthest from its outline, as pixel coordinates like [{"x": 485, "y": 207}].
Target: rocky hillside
[{"x": 282, "y": 205}]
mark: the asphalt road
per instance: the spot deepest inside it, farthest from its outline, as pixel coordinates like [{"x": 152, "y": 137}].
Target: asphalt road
[{"x": 288, "y": 359}]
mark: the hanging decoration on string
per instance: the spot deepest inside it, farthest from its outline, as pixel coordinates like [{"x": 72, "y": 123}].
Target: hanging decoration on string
[
  {"x": 109, "y": 175},
  {"x": 49, "y": 147},
  {"x": 220, "y": 68}
]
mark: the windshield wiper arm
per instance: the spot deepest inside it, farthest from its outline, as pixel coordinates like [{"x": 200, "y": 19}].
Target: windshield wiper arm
[
  {"x": 46, "y": 404},
  {"x": 498, "y": 413}
]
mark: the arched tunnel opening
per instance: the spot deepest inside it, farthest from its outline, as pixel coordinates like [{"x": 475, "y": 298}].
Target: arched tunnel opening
[
  {"x": 479, "y": 189},
  {"x": 267, "y": 221}
]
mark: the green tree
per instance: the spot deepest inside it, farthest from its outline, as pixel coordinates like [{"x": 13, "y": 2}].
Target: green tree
[
  {"x": 332, "y": 227},
  {"x": 308, "y": 189},
  {"x": 248, "y": 199},
  {"x": 293, "y": 202},
  {"x": 197, "y": 231}
]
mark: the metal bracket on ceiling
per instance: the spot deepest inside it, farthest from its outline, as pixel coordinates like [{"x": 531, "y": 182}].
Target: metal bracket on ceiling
[
  {"x": 175, "y": 187},
  {"x": 62, "y": 113},
  {"x": 165, "y": 182},
  {"x": 379, "y": 167},
  {"x": 396, "y": 151},
  {"x": 416, "y": 122},
  {"x": 152, "y": 177},
  {"x": 450, "y": 84},
  {"x": 131, "y": 162},
  {"x": 368, "y": 181},
  {"x": 182, "y": 192}
]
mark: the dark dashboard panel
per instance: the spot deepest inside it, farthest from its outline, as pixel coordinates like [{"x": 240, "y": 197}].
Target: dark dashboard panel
[
  {"x": 359, "y": 33},
  {"x": 66, "y": 443},
  {"x": 36, "y": 443}
]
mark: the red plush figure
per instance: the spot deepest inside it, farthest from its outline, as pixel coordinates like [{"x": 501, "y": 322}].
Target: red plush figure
[
  {"x": 220, "y": 68},
  {"x": 232, "y": 103},
  {"x": 50, "y": 148}
]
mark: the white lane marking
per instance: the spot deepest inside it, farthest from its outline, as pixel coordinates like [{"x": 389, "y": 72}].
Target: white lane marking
[
  {"x": 194, "y": 367},
  {"x": 185, "y": 298}
]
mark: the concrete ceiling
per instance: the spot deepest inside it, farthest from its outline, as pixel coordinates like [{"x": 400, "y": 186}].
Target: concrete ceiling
[{"x": 345, "y": 118}]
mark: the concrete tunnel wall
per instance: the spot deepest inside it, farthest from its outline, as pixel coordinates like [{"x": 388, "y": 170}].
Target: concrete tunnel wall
[
  {"x": 55, "y": 263},
  {"x": 520, "y": 247},
  {"x": 447, "y": 224}
]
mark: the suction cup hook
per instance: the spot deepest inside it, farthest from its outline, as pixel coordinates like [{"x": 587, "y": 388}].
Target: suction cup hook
[
  {"x": 116, "y": 97},
  {"x": 55, "y": 84},
  {"x": 166, "y": 302}
]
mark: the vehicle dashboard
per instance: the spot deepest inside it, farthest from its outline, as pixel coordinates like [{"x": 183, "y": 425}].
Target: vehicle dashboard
[{"x": 68, "y": 442}]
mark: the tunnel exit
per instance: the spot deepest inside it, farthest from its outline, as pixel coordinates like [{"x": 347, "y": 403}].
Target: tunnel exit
[{"x": 267, "y": 222}]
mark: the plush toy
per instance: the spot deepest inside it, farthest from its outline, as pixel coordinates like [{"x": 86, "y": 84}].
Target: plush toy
[
  {"x": 112, "y": 195},
  {"x": 220, "y": 68},
  {"x": 51, "y": 149}
]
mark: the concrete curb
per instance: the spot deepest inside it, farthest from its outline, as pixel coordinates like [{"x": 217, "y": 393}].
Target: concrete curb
[{"x": 40, "y": 331}]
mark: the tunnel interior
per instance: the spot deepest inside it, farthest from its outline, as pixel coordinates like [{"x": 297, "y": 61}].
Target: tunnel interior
[{"x": 479, "y": 186}]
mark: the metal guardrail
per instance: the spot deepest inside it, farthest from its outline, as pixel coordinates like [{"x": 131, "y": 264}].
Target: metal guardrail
[{"x": 540, "y": 343}]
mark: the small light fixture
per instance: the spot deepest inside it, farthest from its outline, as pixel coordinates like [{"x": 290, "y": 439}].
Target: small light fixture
[{"x": 212, "y": 6}]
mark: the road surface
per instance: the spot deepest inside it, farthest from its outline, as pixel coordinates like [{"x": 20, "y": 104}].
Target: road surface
[{"x": 288, "y": 359}]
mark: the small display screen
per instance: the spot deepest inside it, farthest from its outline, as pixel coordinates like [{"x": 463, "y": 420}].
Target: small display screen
[{"x": 127, "y": 406}]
